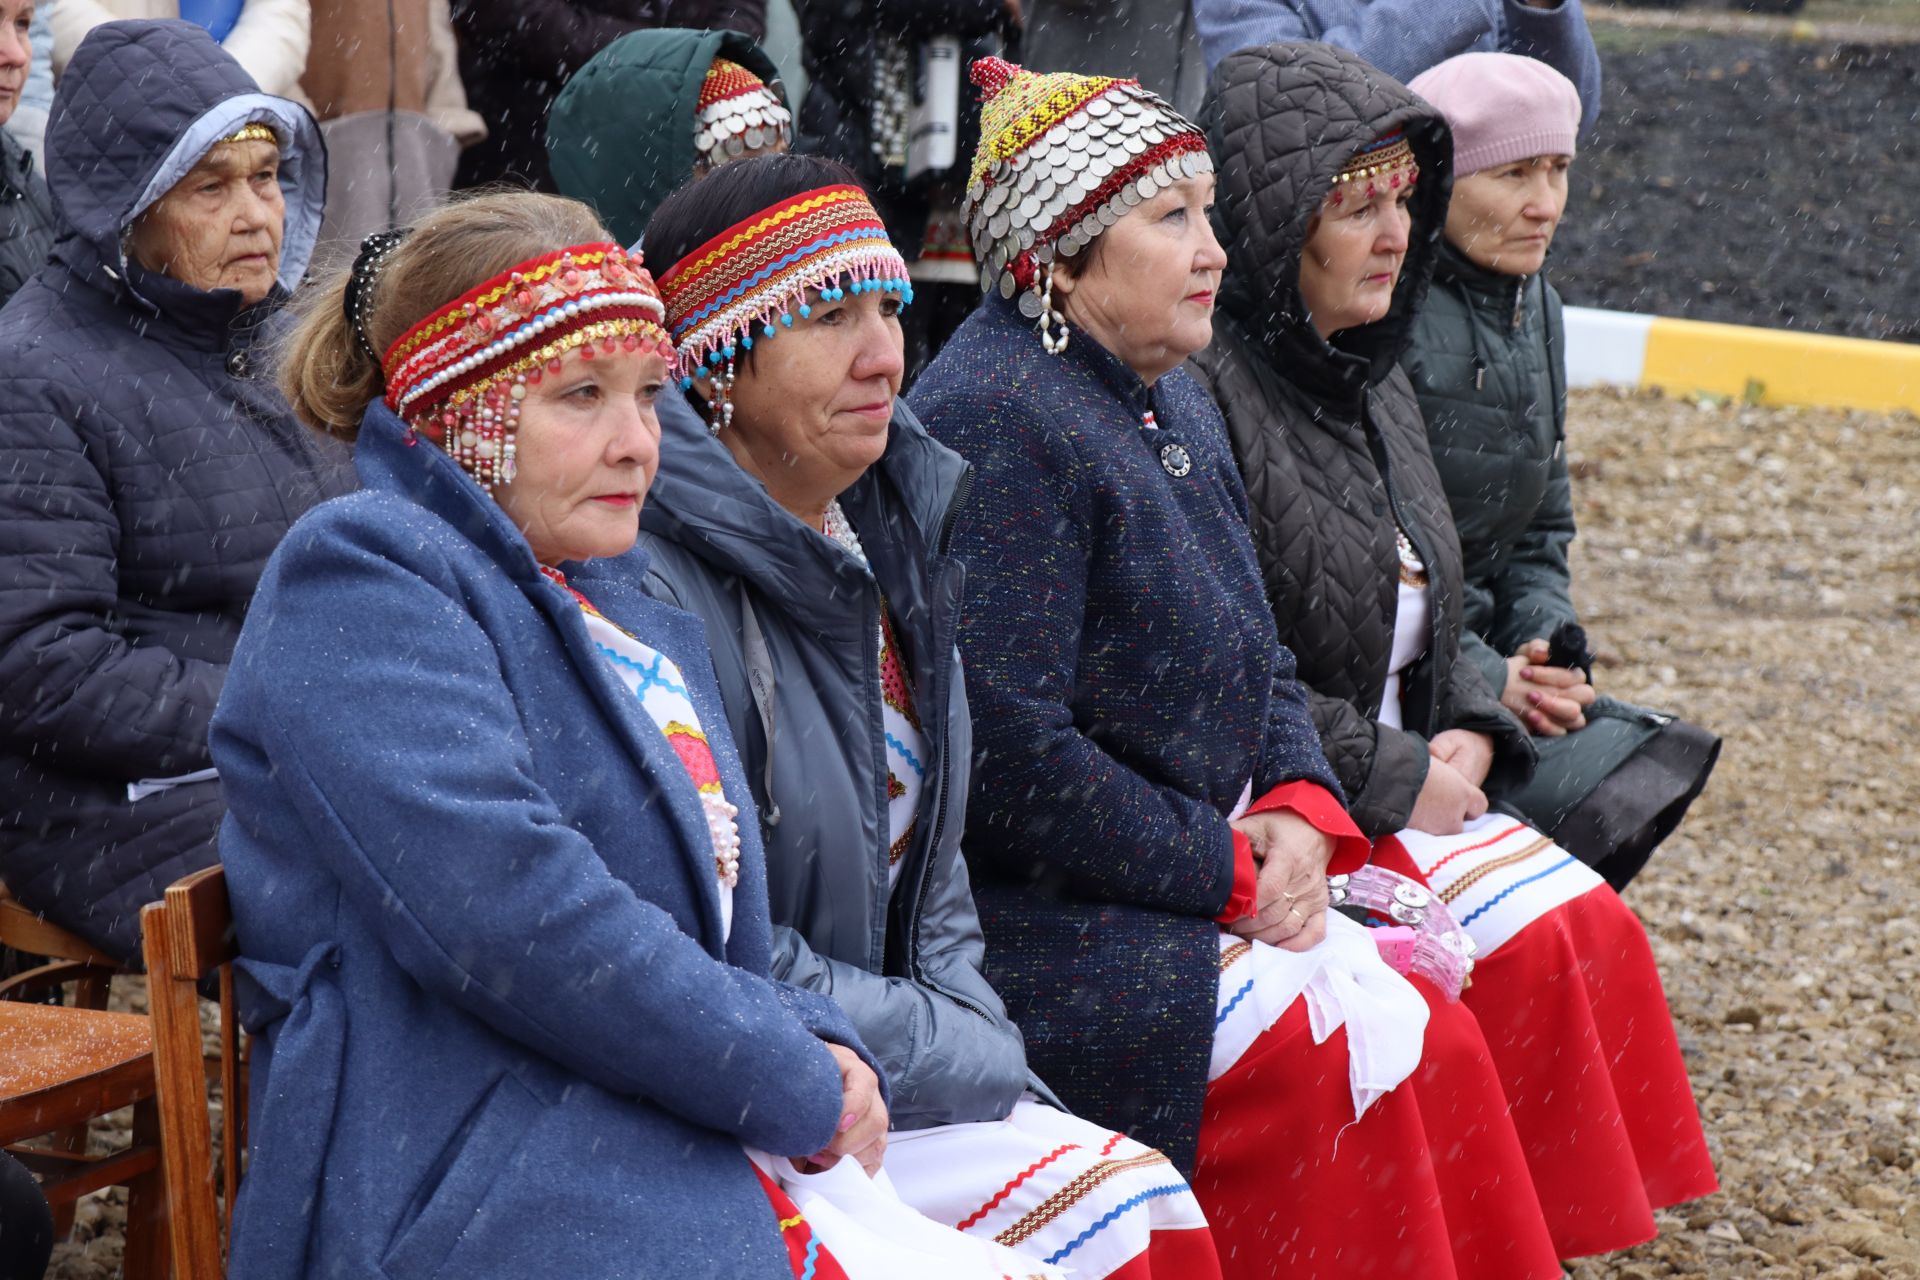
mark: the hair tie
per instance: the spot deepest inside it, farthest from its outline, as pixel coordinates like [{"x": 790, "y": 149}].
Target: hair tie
[{"x": 360, "y": 281}]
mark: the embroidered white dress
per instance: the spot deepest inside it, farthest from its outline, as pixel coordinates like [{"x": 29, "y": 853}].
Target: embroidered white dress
[
  {"x": 1498, "y": 875},
  {"x": 1061, "y": 1189}
]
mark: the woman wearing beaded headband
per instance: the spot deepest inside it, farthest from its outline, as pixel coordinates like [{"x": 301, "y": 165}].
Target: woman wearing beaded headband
[
  {"x": 1153, "y": 822},
  {"x": 810, "y": 536},
  {"x": 503, "y": 928},
  {"x": 1336, "y": 179}
]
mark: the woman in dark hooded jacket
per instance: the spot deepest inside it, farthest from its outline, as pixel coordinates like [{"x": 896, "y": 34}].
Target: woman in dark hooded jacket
[
  {"x": 147, "y": 469},
  {"x": 1334, "y": 184}
]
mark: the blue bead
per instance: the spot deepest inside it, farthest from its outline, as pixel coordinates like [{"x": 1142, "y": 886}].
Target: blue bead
[
  {"x": 732, "y": 351},
  {"x": 768, "y": 330},
  {"x": 786, "y": 319},
  {"x": 747, "y": 339},
  {"x": 805, "y": 311},
  {"x": 686, "y": 384}
]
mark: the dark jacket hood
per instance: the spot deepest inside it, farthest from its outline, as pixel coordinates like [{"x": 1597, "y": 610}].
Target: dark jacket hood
[
  {"x": 620, "y": 135},
  {"x": 140, "y": 104},
  {"x": 1281, "y": 121},
  {"x": 707, "y": 503}
]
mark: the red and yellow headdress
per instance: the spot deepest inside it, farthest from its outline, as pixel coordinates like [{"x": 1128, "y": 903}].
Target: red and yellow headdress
[
  {"x": 459, "y": 375},
  {"x": 758, "y": 272},
  {"x": 1385, "y": 164},
  {"x": 736, "y": 114}
]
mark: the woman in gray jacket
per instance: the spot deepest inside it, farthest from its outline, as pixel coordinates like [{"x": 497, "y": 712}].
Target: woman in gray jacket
[{"x": 803, "y": 513}]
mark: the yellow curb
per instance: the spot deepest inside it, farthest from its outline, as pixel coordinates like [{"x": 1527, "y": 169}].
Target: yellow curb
[{"x": 1773, "y": 366}]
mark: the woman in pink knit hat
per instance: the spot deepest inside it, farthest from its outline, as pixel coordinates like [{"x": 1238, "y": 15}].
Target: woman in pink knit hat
[{"x": 1488, "y": 363}]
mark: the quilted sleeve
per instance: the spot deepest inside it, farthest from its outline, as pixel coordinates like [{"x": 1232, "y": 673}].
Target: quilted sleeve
[{"x": 73, "y": 691}]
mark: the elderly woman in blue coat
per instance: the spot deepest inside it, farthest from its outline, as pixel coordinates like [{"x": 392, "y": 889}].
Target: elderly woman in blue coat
[
  {"x": 804, "y": 513},
  {"x": 504, "y": 931}
]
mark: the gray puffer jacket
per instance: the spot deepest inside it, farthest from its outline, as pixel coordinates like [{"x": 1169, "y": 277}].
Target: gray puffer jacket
[
  {"x": 793, "y": 621},
  {"x": 1487, "y": 362},
  {"x": 148, "y": 468},
  {"x": 1328, "y": 435}
]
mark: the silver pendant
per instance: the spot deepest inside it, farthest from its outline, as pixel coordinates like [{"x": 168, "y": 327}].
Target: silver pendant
[{"x": 1175, "y": 460}]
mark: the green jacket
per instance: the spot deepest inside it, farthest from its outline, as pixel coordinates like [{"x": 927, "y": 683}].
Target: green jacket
[
  {"x": 620, "y": 135},
  {"x": 1488, "y": 363}
]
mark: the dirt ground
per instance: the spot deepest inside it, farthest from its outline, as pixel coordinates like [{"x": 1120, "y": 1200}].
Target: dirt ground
[
  {"x": 1751, "y": 180},
  {"x": 1755, "y": 570}
]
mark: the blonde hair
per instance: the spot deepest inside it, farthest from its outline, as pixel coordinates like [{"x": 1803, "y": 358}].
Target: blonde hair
[{"x": 325, "y": 371}]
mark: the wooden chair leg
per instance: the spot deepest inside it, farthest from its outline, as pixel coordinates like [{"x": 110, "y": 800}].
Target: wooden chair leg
[{"x": 147, "y": 1246}]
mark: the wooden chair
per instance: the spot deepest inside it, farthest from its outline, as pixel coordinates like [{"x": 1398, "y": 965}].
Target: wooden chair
[
  {"x": 68, "y": 959},
  {"x": 62, "y": 1068},
  {"x": 189, "y": 937}
]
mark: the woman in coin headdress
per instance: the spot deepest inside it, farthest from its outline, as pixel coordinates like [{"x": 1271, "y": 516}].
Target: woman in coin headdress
[{"x": 1153, "y": 822}]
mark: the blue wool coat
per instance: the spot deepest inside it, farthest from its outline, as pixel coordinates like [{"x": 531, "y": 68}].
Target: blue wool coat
[
  {"x": 1126, "y": 682},
  {"x": 474, "y": 890}
]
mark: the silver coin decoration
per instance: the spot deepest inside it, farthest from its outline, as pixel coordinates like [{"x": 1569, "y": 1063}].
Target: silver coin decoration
[
  {"x": 1071, "y": 183},
  {"x": 733, "y": 127}
]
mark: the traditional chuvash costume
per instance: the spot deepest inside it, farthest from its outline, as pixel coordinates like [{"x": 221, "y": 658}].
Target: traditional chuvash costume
[
  {"x": 1134, "y": 700},
  {"x": 850, "y": 708},
  {"x": 1363, "y": 574}
]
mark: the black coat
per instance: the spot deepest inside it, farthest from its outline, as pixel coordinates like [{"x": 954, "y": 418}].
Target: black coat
[
  {"x": 1328, "y": 436},
  {"x": 147, "y": 470},
  {"x": 26, "y": 217}
]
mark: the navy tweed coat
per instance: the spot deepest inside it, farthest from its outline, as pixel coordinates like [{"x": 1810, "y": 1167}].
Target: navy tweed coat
[{"x": 1127, "y": 682}]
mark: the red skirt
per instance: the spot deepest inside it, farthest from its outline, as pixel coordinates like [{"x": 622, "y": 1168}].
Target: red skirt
[
  {"x": 1431, "y": 1182},
  {"x": 1574, "y": 1013}
]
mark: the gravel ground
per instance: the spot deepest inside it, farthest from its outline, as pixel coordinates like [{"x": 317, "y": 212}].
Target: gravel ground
[
  {"x": 1756, "y": 571},
  {"x": 1748, "y": 180}
]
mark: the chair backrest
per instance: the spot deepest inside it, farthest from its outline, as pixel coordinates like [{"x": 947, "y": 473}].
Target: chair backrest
[
  {"x": 68, "y": 958},
  {"x": 189, "y": 938}
]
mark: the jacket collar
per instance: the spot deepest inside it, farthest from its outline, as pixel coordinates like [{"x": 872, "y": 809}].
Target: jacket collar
[
  {"x": 16, "y": 168},
  {"x": 1495, "y": 289},
  {"x": 389, "y": 457},
  {"x": 706, "y": 503}
]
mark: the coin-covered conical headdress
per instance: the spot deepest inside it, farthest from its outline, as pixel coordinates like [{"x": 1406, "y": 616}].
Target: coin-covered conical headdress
[{"x": 1063, "y": 157}]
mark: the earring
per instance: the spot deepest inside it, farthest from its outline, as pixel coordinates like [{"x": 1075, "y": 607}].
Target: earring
[
  {"x": 722, "y": 406},
  {"x": 1050, "y": 317}
]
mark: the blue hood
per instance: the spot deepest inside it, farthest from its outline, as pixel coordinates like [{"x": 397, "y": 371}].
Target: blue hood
[{"x": 140, "y": 104}]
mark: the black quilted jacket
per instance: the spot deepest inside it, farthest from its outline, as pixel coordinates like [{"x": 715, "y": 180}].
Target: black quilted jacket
[
  {"x": 1328, "y": 436},
  {"x": 147, "y": 470}
]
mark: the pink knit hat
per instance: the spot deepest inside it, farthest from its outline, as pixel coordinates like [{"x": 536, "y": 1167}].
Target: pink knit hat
[{"x": 1502, "y": 108}]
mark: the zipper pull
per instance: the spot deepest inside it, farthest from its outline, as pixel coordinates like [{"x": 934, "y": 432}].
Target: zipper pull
[{"x": 1479, "y": 375}]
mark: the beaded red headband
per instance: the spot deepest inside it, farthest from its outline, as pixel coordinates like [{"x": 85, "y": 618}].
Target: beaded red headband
[
  {"x": 758, "y": 272},
  {"x": 1385, "y": 164},
  {"x": 460, "y": 374}
]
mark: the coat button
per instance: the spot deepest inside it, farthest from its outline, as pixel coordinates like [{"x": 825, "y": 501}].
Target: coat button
[
  {"x": 1176, "y": 460},
  {"x": 238, "y": 365}
]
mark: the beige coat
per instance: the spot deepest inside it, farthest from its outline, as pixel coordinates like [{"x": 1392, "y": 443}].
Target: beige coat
[{"x": 270, "y": 40}]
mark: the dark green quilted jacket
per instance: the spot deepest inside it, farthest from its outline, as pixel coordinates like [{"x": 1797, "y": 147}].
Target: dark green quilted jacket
[{"x": 1488, "y": 364}]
